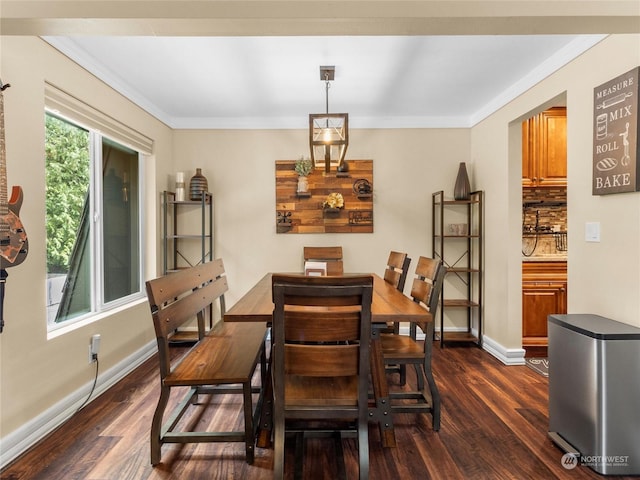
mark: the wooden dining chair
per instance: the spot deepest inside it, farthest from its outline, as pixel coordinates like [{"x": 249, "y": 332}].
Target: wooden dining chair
[
  {"x": 332, "y": 256},
  {"x": 321, "y": 335},
  {"x": 396, "y": 274},
  {"x": 406, "y": 350}
]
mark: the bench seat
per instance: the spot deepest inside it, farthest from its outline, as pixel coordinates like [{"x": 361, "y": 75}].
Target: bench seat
[
  {"x": 223, "y": 361},
  {"x": 228, "y": 354}
]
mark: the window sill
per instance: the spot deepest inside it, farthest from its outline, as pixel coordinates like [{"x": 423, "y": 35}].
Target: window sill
[{"x": 71, "y": 325}]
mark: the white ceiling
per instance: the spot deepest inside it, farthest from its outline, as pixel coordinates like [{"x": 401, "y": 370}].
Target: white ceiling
[{"x": 274, "y": 82}]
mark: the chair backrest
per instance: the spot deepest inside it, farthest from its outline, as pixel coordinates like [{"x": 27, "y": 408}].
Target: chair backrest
[
  {"x": 332, "y": 256},
  {"x": 321, "y": 328},
  {"x": 177, "y": 298},
  {"x": 427, "y": 285},
  {"x": 397, "y": 269}
]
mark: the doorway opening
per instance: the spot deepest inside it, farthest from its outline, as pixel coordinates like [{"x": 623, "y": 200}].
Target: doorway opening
[{"x": 544, "y": 223}]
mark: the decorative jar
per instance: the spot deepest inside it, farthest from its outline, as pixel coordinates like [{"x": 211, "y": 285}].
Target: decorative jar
[
  {"x": 303, "y": 184},
  {"x": 179, "y": 186},
  {"x": 198, "y": 185}
]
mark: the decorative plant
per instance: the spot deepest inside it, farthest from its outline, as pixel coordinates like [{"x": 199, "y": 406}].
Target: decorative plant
[
  {"x": 334, "y": 200},
  {"x": 303, "y": 167}
]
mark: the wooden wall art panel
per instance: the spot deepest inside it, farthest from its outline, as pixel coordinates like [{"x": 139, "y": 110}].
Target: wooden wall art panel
[{"x": 304, "y": 213}]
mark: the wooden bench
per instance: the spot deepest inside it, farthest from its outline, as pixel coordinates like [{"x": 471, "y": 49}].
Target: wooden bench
[{"x": 222, "y": 361}]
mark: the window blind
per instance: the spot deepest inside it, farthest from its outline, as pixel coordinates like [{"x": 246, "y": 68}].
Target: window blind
[{"x": 75, "y": 109}]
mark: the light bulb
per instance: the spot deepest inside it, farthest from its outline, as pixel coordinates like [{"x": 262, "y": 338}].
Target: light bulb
[{"x": 326, "y": 135}]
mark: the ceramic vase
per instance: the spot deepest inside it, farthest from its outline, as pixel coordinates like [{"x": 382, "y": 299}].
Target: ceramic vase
[
  {"x": 343, "y": 167},
  {"x": 462, "y": 188},
  {"x": 198, "y": 185}
]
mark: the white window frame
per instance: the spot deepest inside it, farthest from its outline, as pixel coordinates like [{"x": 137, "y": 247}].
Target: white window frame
[{"x": 60, "y": 104}]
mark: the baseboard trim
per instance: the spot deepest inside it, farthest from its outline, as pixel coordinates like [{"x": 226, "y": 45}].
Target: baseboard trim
[
  {"x": 508, "y": 356},
  {"x": 20, "y": 440},
  {"x": 404, "y": 330}
]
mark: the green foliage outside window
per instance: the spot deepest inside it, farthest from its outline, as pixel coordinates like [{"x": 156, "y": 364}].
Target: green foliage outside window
[{"x": 67, "y": 180}]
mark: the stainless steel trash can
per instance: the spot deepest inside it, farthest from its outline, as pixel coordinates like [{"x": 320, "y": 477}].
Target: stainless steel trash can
[{"x": 594, "y": 391}]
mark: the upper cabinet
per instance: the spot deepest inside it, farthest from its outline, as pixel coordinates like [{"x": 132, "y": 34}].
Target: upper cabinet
[{"x": 544, "y": 149}]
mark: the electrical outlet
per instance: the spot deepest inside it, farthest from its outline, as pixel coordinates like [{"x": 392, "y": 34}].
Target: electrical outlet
[{"x": 94, "y": 348}]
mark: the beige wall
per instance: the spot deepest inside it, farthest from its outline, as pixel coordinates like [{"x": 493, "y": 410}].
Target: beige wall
[
  {"x": 36, "y": 372},
  {"x": 408, "y": 166},
  {"x": 604, "y": 278}
]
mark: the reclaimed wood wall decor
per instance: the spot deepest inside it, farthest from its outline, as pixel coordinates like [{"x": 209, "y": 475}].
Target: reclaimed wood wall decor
[{"x": 304, "y": 213}]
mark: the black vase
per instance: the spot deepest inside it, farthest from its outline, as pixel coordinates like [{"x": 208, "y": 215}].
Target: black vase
[
  {"x": 343, "y": 167},
  {"x": 197, "y": 186},
  {"x": 462, "y": 189}
]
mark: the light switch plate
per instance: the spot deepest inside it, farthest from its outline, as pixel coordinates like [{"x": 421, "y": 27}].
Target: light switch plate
[{"x": 592, "y": 231}]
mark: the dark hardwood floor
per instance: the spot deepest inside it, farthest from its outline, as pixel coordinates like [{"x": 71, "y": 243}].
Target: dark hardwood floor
[{"x": 494, "y": 426}]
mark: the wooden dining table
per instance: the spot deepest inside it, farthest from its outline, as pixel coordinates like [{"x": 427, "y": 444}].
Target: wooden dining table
[{"x": 388, "y": 305}]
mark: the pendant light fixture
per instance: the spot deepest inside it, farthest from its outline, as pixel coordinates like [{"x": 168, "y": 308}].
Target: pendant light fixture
[{"x": 328, "y": 132}]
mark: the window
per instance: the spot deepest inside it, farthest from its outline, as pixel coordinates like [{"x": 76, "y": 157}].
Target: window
[{"x": 92, "y": 221}]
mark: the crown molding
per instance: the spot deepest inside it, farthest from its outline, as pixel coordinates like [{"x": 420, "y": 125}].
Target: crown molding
[{"x": 547, "y": 68}]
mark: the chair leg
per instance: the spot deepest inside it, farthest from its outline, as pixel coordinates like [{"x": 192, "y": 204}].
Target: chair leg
[
  {"x": 363, "y": 448},
  {"x": 403, "y": 374},
  {"x": 435, "y": 398},
  {"x": 278, "y": 446},
  {"x": 419, "y": 377},
  {"x": 299, "y": 456},
  {"x": 428, "y": 373},
  {"x": 263, "y": 364},
  {"x": 156, "y": 425},
  {"x": 341, "y": 469}
]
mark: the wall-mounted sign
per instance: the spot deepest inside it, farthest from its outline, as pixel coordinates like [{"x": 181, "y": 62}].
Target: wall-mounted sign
[{"x": 616, "y": 158}]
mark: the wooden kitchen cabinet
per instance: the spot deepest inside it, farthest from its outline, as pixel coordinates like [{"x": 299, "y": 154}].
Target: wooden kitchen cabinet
[
  {"x": 544, "y": 292},
  {"x": 544, "y": 149}
]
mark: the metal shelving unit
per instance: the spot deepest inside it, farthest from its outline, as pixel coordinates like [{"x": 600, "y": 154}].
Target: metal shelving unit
[
  {"x": 187, "y": 240},
  {"x": 183, "y": 241},
  {"x": 457, "y": 240}
]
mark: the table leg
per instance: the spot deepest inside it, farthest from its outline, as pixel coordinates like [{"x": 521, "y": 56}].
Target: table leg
[
  {"x": 265, "y": 427},
  {"x": 266, "y": 421},
  {"x": 381, "y": 410}
]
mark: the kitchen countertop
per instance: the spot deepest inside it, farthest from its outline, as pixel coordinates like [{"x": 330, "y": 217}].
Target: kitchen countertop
[{"x": 545, "y": 258}]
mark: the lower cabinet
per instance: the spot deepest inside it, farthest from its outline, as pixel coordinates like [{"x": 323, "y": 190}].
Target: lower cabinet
[{"x": 544, "y": 293}]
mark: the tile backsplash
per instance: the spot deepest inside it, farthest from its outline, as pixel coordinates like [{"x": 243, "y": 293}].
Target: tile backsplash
[{"x": 550, "y": 218}]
